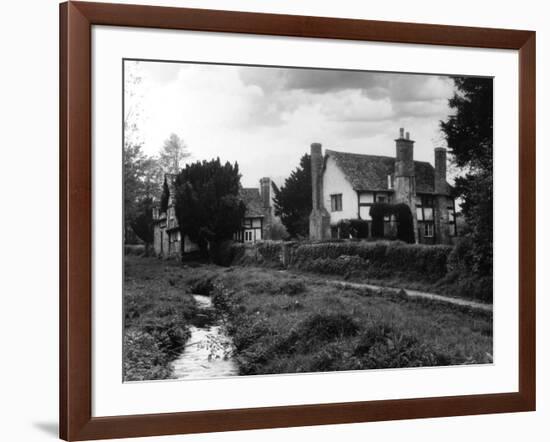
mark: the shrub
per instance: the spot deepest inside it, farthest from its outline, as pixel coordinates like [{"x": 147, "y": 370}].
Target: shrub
[
  {"x": 134, "y": 249},
  {"x": 203, "y": 285},
  {"x": 385, "y": 346},
  {"x": 405, "y": 227},
  {"x": 377, "y": 213},
  {"x": 327, "y": 327},
  {"x": 353, "y": 228},
  {"x": 374, "y": 259}
]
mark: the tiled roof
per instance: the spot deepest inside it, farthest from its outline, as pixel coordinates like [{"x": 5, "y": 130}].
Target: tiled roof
[
  {"x": 252, "y": 199},
  {"x": 370, "y": 172}
]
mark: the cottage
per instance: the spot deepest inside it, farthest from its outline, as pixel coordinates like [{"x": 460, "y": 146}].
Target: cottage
[
  {"x": 346, "y": 185},
  {"x": 259, "y": 213},
  {"x": 168, "y": 241}
]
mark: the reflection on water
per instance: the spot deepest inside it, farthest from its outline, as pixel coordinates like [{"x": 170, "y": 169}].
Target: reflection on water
[{"x": 208, "y": 352}]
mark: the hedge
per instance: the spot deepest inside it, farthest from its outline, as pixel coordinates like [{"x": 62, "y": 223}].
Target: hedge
[{"x": 379, "y": 259}]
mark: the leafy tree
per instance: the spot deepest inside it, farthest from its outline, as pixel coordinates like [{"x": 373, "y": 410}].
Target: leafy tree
[
  {"x": 173, "y": 152},
  {"x": 469, "y": 135},
  {"x": 208, "y": 207},
  {"x": 142, "y": 175},
  {"x": 292, "y": 202},
  {"x": 142, "y": 223}
]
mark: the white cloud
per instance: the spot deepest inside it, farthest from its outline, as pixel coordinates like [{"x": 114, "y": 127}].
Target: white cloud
[{"x": 266, "y": 118}]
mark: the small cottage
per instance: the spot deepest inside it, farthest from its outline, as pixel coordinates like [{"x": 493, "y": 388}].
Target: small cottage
[
  {"x": 346, "y": 185},
  {"x": 168, "y": 241}
]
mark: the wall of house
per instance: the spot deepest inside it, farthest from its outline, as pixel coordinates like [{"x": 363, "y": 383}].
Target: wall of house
[{"x": 334, "y": 182}]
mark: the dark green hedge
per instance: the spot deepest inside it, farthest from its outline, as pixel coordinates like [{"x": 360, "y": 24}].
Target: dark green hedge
[{"x": 381, "y": 259}]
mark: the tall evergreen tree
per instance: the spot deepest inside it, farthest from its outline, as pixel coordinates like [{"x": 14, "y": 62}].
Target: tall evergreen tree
[
  {"x": 208, "y": 207},
  {"x": 469, "y": 135},
  {"x": 292, "y": 202}
]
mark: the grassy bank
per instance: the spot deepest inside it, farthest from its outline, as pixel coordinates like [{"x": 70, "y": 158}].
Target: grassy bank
[
  {"x": 431, "y": 268},
  {"x": 158, "y": 311},
  {"x": 284, "y": 323}
]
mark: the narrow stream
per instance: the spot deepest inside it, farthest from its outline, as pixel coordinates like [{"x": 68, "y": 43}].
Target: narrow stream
[{"x": 208, "y": 351}]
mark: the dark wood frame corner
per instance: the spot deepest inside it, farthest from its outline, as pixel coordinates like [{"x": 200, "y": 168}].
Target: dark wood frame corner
[{"x": 76, "y": 20}]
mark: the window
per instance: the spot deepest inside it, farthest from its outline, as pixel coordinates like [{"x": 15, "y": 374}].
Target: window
[
  {"x": 419, "y": 214},
  {"x": 364, "y": 212},
  {"x": 428, "y": 213},
  {"x": 428, "y": 230},
  {"x": 247, "y": 222},
  {"x": 381, "y": 199},
  {"x": 336, "y": 203},
  {"x": 366, "y": 197}
]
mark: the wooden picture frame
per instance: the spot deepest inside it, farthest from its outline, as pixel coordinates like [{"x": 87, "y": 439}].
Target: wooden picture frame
[{"x": 76, "y": 21}]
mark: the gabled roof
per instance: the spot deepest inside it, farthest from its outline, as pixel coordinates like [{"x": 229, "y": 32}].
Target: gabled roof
[
  {"x": 370, "y": 172},
  {"x": 253, "y": 201}
]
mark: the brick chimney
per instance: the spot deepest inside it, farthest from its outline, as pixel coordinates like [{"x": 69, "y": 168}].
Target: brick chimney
[
  {"x": 319, "y": 220},
  {"x": 405, "y": 182},
  {"x": 265, "y": 193},
  {"x": 440, "y": 160},
  {"x": 441, "y": 196}
]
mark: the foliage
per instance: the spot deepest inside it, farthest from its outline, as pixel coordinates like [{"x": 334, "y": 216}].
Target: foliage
[
  {"x": 292, "y": 202},
  {"x": 405, "y": 225},
  {"x": 353, "y": 228},
  {"x": 141, "y": 186},
  {"x": 325, "y": 328},
  {"x": 165, "y": 197},
  {"x": 403, "y": 216},
  {"x": 374, "y": 259},
  {"x": 157, "y": 315},
  {"x": 377, "y": 212},
  {"x": 142, "y": 224},
  {"x": 469, "y": 135},
  {"x": 173, "y": 152},
  {"x": 277, "y": 230},
  {"x": 208, "y": 207}
]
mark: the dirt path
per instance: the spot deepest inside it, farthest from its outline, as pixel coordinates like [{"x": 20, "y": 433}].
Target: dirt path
[{"x": 409, "y": 292}]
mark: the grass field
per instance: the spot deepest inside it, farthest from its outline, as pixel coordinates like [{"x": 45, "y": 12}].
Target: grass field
[
  {"x": 286, "y": 323},
  {"x": 158, "y": 312}
]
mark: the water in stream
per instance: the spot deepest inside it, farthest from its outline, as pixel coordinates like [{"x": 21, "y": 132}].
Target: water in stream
[{"x": 207, "y": 352}]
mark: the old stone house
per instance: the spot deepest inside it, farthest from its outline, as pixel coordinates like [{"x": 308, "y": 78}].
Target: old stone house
[
  {"x": 346, "y": 185},
  {"x": 168, "y": 241}
]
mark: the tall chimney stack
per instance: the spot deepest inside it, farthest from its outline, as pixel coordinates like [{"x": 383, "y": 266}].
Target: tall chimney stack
[
  {"x": 405, "y": 181},
  {"x": 265, "y": 192},
  {"x": 319, "y": 220},
  {"x": 440, "y": 160},
  {"x": 441, "y": 196}
]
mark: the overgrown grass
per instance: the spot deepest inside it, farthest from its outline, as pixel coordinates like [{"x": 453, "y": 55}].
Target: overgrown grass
[
  {"x": 284, "y": 323},
  {"x": 158, "y": 311}
]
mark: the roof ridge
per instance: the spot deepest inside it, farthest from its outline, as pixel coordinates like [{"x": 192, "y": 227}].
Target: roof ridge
[{"x": 370, "y": 155}]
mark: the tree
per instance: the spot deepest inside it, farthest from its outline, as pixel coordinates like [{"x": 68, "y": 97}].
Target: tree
[
  {"x": 208, "y": 207},
  {"x": 142, "y": 223},
  {"x": 142, "y": 175},
  {"x": 173, "y": 152},
  {"x": 292, "y": 202},
  {"x": 469, "y": 135}
]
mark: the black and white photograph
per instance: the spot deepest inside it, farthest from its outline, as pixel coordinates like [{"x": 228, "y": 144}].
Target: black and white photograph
[{"x": 284, "y": 220}]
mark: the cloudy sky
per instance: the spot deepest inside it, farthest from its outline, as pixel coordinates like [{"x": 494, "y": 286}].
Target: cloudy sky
[{"x": 266, "y": 118}]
